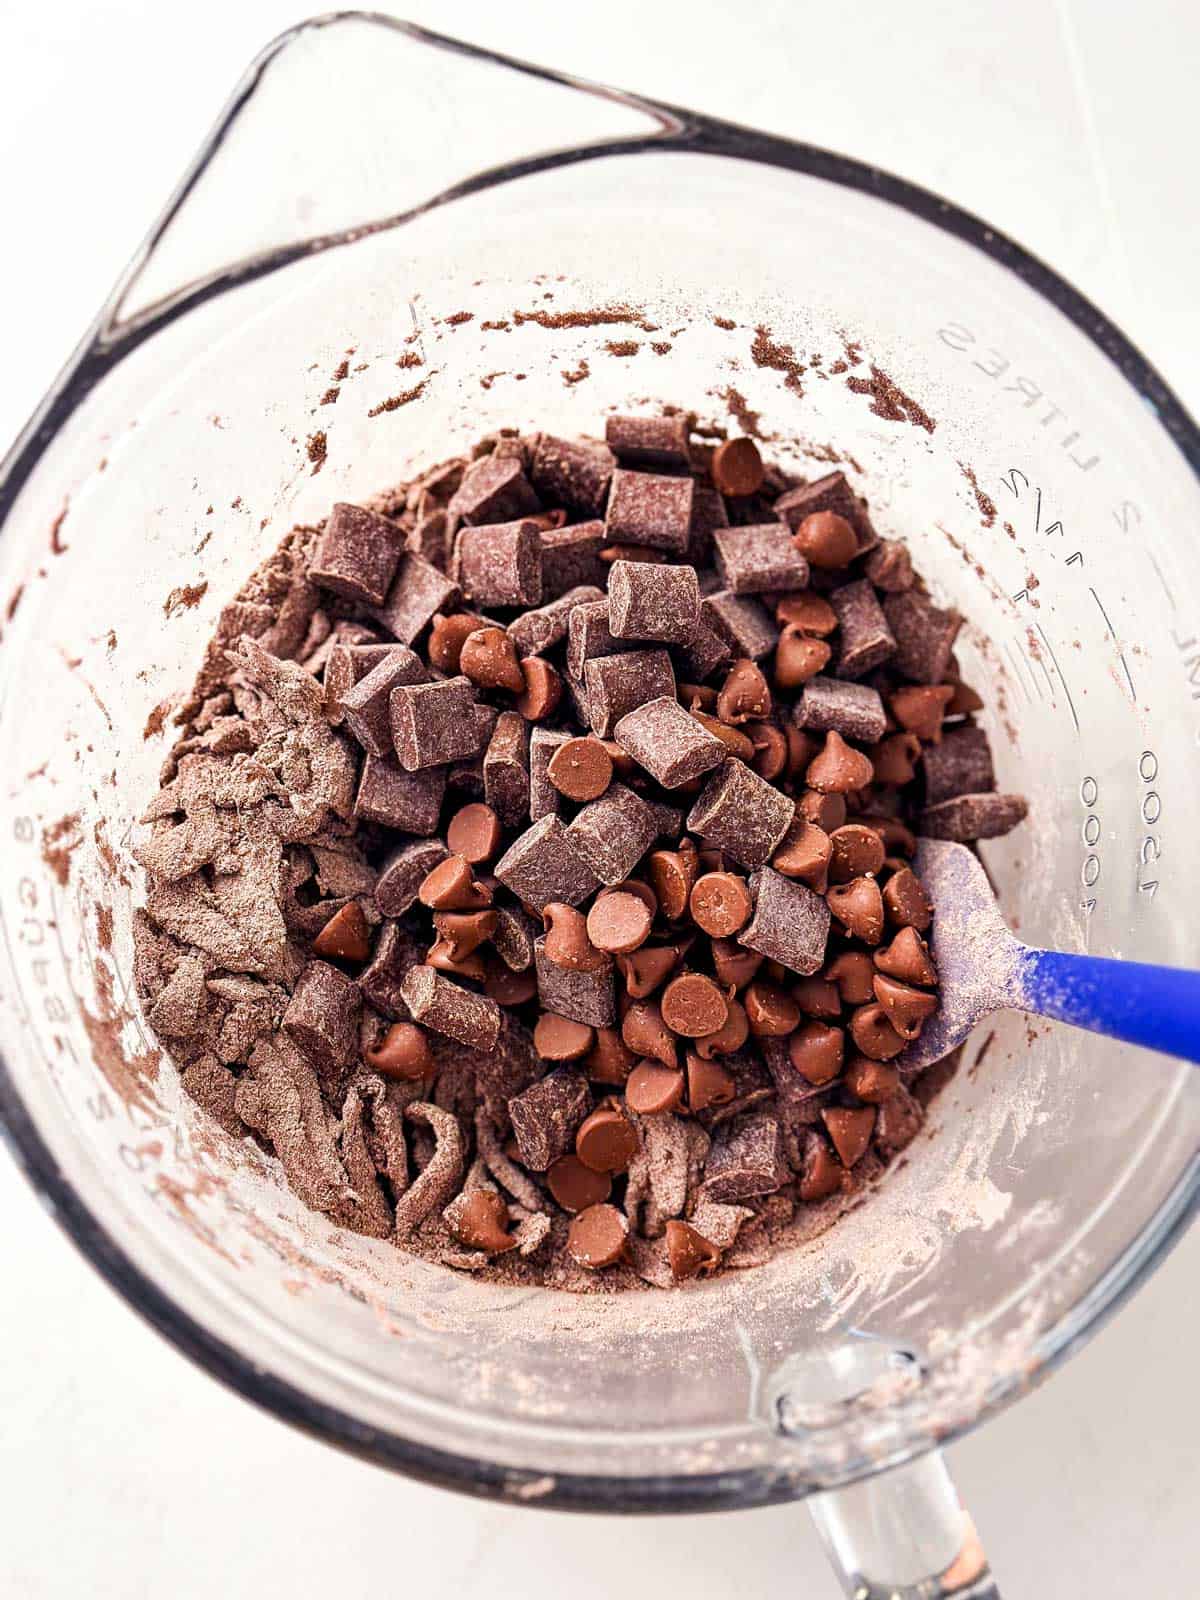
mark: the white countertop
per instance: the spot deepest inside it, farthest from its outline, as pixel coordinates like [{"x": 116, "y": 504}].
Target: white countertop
[{"x": 124, "y": 1472}]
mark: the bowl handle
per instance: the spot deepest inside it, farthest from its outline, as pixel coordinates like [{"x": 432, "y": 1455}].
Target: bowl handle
[{"x": 903, "y": 1535}]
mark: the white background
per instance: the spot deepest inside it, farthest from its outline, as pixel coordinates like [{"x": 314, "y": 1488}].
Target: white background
[{"x": 124, "y": 1472}]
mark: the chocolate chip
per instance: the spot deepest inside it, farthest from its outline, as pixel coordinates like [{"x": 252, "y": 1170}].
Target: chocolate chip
[
  {"x": 821, "y": 1173},
  {"x": 919, "y": 708},
  {"x": 738, "y": 812},
  {"x": 816, "y": 1051},
  {"x": 759, "y": 559},
  {"x": 365, "y": 705},
  {"x": 616, "y": 685},
  {"x": 489, "y": 658},
  {"x": 973, "y": 816},
  {"x": 709, "y": 1084},
  {"x": 770, "y": 749},
  {"x": 667, "y": 742},
  {"x": 818, "y": 997},
  {"x": 447, "y": 637},
  {"x": 805, "y": 854},
  {"x": 584, "y": 994},
  {"x": 799, "y": 658},
  {"x": 649, "y": 509},
  {"x": 322, "y": 1019},
  {"x": 648, "y": 441},
  {"x": 652, "y": 602},
  {"x": 506, "y": 769},
  {"x": 612, "y": 834},
  {"x": 744, "y": 695},
  {"x": 558, "y": 1038},
  {"x": 542, "y": 692},
  {"x": 610, "y": 1060},
  {"x": 831, "y": 493},
  {"x": 856, "y": 852},
  {"x": 541, "y": 866},
  {"x": 580, "y": 769},
  {"x": 852, "y": 709},
  {"x": 907, "y": 1009},
  {"x": 619, "y": 922},
  {"x": 737, "y": 468},
  {"x": 396, "y": 950},
  {"x": 478, "y": 1218},
  {"x": 652, "y": 1089},
  {"x": 745, "y": 1161},
  {"x": 606, "y": 1140},
  {"x": 403, "y": 1054},
  {"x": 732, "y": 964},
  {"x": 402, "y": 873},
  {"x": 839, "y": 769},
  {"x": 597, "y": 1237},
  {"x": 736, "y": 743},
  {"x": 433, "y": 723},
  {"x": 345, "y": 936},
  {"x": 474, "y": 833},
  {"x": 644, "y": 1031},
  {"x": 730, "y": 1038},
  {"x": 960, "y": 764},
  {"x": 924, "y": 635},
  {"x": 575, "y": 472},
  {"x": 493, "y": 490},
  {"x": 409, "y": 802},
  {"x": 826, "y": 540},
  {"x": 858, "y": 906},
  {"x": 545, "y": 1117},
  {"x": 905, "y": 899},
  {"x": 850, "y": 1131},
  {"x": 898, "y": 1122},
  {"x": 357, "y": 554},
  {"x": 854, "y": 973},
  {"x": 865, "y": 638},
  {"x": 576, "y": 1187},
  {"x": 790, "y": 923},
  {"x": 692, "y": 1005},
  {"x": 571, "y": 561},
  {"x": 894, "y": 759},
  {"x": 438, "y": 1003},
  {"x": 500, "y": 564},
  {"x": 672, "y": 874},
  {"x": 720, "y": 903},
  {"x": 462, "y": 932},
  {"x": 534, "y": 632},
  {"x": 568, "y": 943},
  {"x": 771, "y": 1012},
  {"x": 808, "y": 612},
  {"x": 872, "y": 1081},
  {"x": 418, "y": 592},
  {"x": 451, "y": 886},
  {"x": 742, "y": 622},
  {"x": 826, "y": 811},
  {"x": 873, "y": 1033},
  {"x": 907, "y": 958}
]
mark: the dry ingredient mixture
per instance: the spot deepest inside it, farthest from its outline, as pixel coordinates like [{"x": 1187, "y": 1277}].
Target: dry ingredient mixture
[{"x": 532, "y": 875}]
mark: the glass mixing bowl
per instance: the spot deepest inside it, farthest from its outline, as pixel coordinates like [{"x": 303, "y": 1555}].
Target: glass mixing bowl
[{"x": 551, "y": 252}]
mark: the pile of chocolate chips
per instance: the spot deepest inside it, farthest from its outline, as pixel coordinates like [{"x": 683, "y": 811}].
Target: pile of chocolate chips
[{"x": 626, "y": 745}]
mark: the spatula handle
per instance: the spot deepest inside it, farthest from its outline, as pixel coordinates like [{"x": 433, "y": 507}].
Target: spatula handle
[{"x": 1158, "y": 1007}]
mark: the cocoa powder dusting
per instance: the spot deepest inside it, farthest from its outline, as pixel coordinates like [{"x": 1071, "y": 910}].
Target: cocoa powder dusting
[
  {"x": 404, "y": 398},
  {"x": 60, "y": 840},
  {"x": 766, "y": 351},
  {"x": 987, "y": 506},
  {"x": 184, "y": 598},
  {"x": 890, "y": 402},
  {"x": 622, "y": 347},
  {"x": 317, "y": 448}
]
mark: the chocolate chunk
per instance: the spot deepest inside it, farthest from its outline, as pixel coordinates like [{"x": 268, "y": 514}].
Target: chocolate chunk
[
  {"x": 649, "y": 509},
  {"x": 357, "y": 554},
  {"x": 973, "y": 816},
  {"x": 745, "y": 1160},
  {"x": 589, "y": 636},
  {"x": 865, "y": 639},
  {"x": 897, "y": 1123},
  {"x": 322, "y": 1019},
  {"x": 418, "y": 591},
  {"x": 889, "y": 567},
  {"x": 739, "y": 812},
  {"x": 571, "y": 558},
  {"x": 831, "y": 493},
  {"x": 403, "y": 873},
  {"x": 433, "y": 723},
  {"x": 612, "y": 834},
  {"x": 583, "y": 994},
  {"x": 617, "y": 685},
  {"x": 535, "y": 632},
  {"x": 346, "y": 665},
  {"x": 649, "y": 602},
  {"x": 494, "y": 489},
  {"x": 667, "y": 742},
  {"x": 514, "y": 938},
  {"x": 410, "y": 802},
  {"x": 758, "y": 559},
  {"x": 853, "y": 709},
  {"x": 396, "y": 951},
  {"x": 544, "y": 798},
  {"x": 575, "y": 472},
  {"x": 436, "y": 1002},
  {"x": 790, "y": 923},
  {"x": 365, "y": 706},
  {"x": 541, "y": 867},
  {"x": 467, "y": 775},
  {"x": 649, "y": 441},
  {"x": 708, "y": 514},
  {"x": 506, "y": 769},
  {"x": 430, "y": 537},
  {"x": 924, "y": 635},
  {"x": 547, "y": 1115},
  {"x": 961, "y": 764},
  {"x": 500, "y": 564},
  {"x": 703, "y": 653},
  {"x": 743, "y": 622}
]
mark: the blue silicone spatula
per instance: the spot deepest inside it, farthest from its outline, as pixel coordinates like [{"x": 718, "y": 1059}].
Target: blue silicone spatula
[{"x": 983, "y": 968}]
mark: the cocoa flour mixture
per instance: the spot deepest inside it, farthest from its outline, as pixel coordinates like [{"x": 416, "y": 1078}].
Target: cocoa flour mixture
[{"x": 532, "y": 875}]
